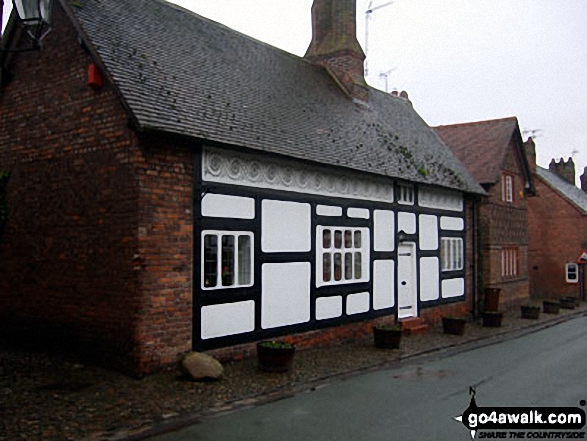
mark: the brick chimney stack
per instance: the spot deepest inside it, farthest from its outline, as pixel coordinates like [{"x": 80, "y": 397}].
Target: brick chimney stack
[
  {"x": 335, "y": 46},
  {"x": 530, "y": 150},
  {"x": 584, "y": 180},
  {"x": 565, "y": 170}
]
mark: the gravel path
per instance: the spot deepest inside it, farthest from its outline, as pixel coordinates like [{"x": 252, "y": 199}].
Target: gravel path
[{"x": 48, "y": 398}]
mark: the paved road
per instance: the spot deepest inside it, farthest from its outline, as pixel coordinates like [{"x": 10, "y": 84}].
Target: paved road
[{"x": 417, "y": 401}]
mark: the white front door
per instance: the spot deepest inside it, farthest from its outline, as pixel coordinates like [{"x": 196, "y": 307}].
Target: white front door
[{"x": 406, "y": 279}]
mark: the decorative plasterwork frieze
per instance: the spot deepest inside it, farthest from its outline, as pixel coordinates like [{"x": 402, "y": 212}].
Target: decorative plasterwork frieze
[
  {"x": 440, "y": 199},
  {"x": 253, "y": 170}
]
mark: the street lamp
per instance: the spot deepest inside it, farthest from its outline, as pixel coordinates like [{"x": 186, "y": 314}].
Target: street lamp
[{"x": 35, "y": 17}]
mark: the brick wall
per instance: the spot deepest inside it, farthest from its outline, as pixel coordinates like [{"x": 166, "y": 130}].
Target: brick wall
[
  {"x": 505, "y": 224},
  {"x": 165, "y": 250},
  {"x": 558, "y": 232},
  {"x": 97, "y": 250}
]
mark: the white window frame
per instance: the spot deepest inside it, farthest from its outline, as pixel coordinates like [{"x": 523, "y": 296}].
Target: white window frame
[
  {"x": 237, "y": 261},
  {"x": 507, "y": 187},
  {"x": 343, "y": 250},
  {"x": 405, "y": 194},
  {"x": 571, "y": 268},
  {"x": 452, "y": 254},
  {"x": 509, "y": 262}
]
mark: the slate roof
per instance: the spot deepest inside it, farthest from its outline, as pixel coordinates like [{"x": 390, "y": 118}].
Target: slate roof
[
  {"x": 181, "y": 73},
  {"x": 572, "y": 193},
  {"x": 481, "y": 146}
]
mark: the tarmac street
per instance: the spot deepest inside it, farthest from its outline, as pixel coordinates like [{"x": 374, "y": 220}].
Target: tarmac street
[{"x": 417, "y": 400}]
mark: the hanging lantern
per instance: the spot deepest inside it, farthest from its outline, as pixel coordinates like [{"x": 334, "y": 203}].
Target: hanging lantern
[{"x": 35, "y": 15}]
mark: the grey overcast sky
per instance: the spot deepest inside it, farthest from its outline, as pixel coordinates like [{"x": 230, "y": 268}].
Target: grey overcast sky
[{"x": 459, "y": 60}]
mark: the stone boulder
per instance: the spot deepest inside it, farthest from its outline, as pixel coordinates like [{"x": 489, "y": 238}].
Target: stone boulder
[{"x": 199, "y": 367}]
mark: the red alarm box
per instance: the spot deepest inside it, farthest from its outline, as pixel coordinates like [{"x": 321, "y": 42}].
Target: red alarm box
[{"x": 95, "y": 79}]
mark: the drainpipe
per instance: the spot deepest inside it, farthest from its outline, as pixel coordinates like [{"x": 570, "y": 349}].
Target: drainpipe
[{"x": 475, "y": 251}]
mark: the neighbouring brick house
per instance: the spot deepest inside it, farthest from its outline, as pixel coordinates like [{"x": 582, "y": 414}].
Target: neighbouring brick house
[
  {"x": 557, "y": 223},
  {"x": 177, "y": 185},
  {"x": 493, "y": 151}
]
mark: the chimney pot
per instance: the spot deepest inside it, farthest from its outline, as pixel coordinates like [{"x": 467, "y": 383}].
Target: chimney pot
[{"x": 584, "y": 180}]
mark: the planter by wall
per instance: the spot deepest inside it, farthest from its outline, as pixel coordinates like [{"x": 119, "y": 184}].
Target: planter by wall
[
  {"x": 568, "y": 302},
  {"x": 491, "y": 299},
  {"x": 530, "y": 312},
  {"x": 453, "y": 325},
  {"x": 387, "y": 337},
  {"x": 492, "y": 319},
  {"x": 550, "y": 307},
  {"x": 275, "y": 356}
]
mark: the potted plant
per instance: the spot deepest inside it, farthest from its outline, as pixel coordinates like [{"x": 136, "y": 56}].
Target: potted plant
[
  {"x": 275, "y": 356},
  {"x": 453, "y": 325},
  {"x": 530, "y": 312},
  {"x": 550, "y": 307},
  {"x": 492, "y": 319},
  {"x": 568, "y": 302},
  {"x": 387, "y": 337}
]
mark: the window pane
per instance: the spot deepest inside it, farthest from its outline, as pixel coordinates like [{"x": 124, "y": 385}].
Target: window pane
[
  {"x": 358, "y": 239},
  {"x": 348, "y": 239},
  {"x": 459, "y": 254},
  {"x": 358, "y": 266},
  {"x": 326, "y": 238},
  {"x": 227, "y": 260},
  {"x": 210, "y": 261},
  {"x": 348, "y": 266},
  {"x": 337, "y": 265},
  {"x": 244, "y": 260},
  {"x": 338, "y": 239},
  {"x": 326, "y": 267}
]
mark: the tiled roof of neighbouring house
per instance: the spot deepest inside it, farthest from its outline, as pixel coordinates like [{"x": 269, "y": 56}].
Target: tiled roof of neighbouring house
[
  {"x": 481, "y": 146},
  {"x": 181, "y": 73},
  {"x": 569, "y": 191}
]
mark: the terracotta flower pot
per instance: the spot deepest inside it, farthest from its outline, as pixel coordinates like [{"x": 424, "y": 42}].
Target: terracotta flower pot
[
  {"x": 453, "y": 325},
  {"x": 550, "y": 307},
  {"x": 387, "y": 337},
  {"x": 274, "y": 356},
  {"x": 492, "y": 319},
  {"x": 530, "y": 312}
]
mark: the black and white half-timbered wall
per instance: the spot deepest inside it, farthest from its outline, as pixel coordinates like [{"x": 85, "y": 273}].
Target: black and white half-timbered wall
[{"x": 287, "y": 247}]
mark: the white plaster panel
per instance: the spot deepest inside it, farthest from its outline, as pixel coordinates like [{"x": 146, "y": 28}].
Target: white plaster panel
[
  {"x": 328, "y": 210},
  {"x": 406, "y": 222},
  {"x": 453, "y": 288},
  {"x": 328, "y": 307},
  {"x": 383, "y": 284},
  {"x": 383, "y": 222},
  {"x": 452, "y": 223},
  {"x": 429, "y": 279},
  {"x": 285, "y": 226},
  {"x": 227, "y": 319},
  {"x": 441, "y": 199},
  {"x": 285, "y": 294},
  {"x": 428, "y": 232},
  {"x": 234, "y": 207},
  {"x": 358, "y": 213},
  {"x": 357, "y": 303}
]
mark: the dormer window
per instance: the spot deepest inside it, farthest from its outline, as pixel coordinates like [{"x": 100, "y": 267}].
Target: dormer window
[
  {"x": 405, "y": 194},
  {"x": 507, "y": 187}
]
